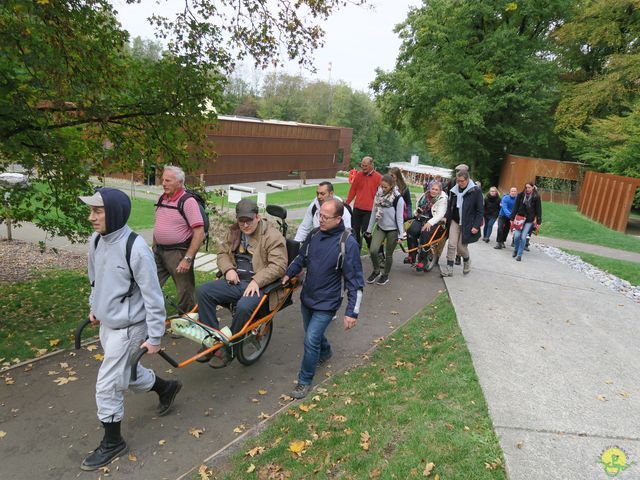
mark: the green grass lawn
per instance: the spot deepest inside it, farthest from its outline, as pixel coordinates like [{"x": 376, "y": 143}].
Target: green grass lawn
[
  {"x": 629, "y": 271},
  {"x": 416, "y": 401},
  {"x": 563, "y": 221},
  {"x": 41, "y": 315}
]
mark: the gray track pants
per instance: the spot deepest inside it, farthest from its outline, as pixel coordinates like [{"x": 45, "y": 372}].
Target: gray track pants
[{"x": 114, "y": 375}]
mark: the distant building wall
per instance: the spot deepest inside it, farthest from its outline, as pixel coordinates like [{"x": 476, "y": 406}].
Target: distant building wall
[
  {"x": 608, "y": 199},
  {"x": 518, "y": 170}
]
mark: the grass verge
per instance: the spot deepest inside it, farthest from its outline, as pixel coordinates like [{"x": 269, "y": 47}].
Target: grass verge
[
  {"x": 629, "y": 271},
  {"x": 416, "y": 401},
  {"x": 41, "y": 315},
  {"x": 563, "y": 221}
]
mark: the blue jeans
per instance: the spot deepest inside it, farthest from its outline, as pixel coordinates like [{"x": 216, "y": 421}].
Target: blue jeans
[
  {"x": 488, "y": 226},
  {"x": 316, "y": 345},
  {"x": 520, "y": 237},
  {"x": 219, "y": 292}
]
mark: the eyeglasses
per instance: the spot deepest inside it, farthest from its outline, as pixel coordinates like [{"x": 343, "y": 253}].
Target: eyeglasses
[
  {"x": 245, "y": 221},
  {"x": 324, "y": 217}
]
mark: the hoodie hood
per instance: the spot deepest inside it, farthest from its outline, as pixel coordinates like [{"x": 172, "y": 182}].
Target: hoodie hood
[{"x": 117, "y": 207}]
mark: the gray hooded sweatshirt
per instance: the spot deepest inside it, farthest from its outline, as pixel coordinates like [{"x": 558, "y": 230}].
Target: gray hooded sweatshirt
[{"x": 110, "y": 278}]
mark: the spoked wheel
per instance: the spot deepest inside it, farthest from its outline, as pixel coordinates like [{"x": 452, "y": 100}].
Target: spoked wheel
[
  {"x": 253, "y": 344},
  {"x": 429, "y": 259}
]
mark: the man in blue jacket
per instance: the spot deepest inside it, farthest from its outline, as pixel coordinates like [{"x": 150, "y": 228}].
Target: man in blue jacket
[
  {"x": 504, "y": 217},
  {"x": 331, "y": 256}
]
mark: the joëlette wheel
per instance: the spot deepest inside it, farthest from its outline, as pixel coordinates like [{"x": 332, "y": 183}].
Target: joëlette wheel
[{"x": 254, "y": 343}]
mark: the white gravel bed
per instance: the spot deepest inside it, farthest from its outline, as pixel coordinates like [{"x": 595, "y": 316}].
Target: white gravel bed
[{"x": 610, "y": 281}]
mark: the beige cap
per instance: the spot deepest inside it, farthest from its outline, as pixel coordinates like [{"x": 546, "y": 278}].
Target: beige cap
[{"x": 94, "y": 200}]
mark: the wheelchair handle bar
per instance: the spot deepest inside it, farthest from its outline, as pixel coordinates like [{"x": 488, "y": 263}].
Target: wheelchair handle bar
[
  {"x": 78, "y": 336},
  {"x": 141, "y": 353}
]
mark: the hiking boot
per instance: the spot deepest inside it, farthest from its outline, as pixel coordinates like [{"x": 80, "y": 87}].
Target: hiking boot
[
  {"x": 499, "y": 246},
  {"x": 457, "y": 262},
  {"x": 514, "y": 254},
  {"x": 372, "y": 277},
  {"x": 409, "y": 260},
  {"x": 486, "y": 240},
  {"x": 382, "y": 279},
  {"x": 110, "y": 448},
  {"x": 300, "y": 391},
  {"x": 221, "y": 358},
  {"x": 447, "y": 272},
  {"x": 168, "y": 396},
  {"x": 466, "y": 266},
  {"x": 324, "y": 359},
  {"x": 519, "y": 258}
]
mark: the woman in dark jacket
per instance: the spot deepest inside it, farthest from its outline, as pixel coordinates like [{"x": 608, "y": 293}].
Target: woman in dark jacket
[
  {"x": 529, "y": 206},
  {"x": 464, "y": 217},
  {"x": 491, "y": 211},
  {"x": 396, "y": 173}
]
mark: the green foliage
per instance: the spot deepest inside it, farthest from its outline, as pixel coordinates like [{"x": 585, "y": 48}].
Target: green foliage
[
  {"x": 76, "y": 99},
  {"x": 416, "y": 401},
  {"x": 474, "y": 79}
]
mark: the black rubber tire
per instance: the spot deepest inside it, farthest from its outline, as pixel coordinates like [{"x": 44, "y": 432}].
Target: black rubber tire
[
  {"x": 430, "y": 260},
  {"x": 251, "y": 347}
]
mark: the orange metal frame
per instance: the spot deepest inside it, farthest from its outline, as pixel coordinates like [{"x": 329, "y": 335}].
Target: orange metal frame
[
  {"x": 250, "y": 325},
  {"x": 431, "y": 241}
]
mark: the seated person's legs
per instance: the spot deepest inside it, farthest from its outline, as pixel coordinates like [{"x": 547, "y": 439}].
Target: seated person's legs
[
  {"x": 212, "y": 294},
  {"x": 244, "y": 309}
]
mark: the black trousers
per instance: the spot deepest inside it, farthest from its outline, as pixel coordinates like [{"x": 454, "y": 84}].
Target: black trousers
[
  {"x": 359, "y": 223},
  {"x": 504, "y": 223}
]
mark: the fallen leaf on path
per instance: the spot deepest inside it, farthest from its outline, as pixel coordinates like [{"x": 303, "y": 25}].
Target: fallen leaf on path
[
  {"x": 365, "y": 440},
  {"x": 262, "y": 392},
  {"x": 251, "y": 468},
  {"x": 162, "y": 442},
  {"x": 53, "y": 372},
  {"x": 624, "y": 394},
  {"x": 3, "y": 434},
  {"x": 306, "y": 408},
  {"x": 99, "y": 357},
  {"x": 63, "y": 365},
  {"x": 196, "y": 432},
  {"x": 263, "y": 416},
  {"x": 428, "y": 469},
  {"x": 285, "y": 398},
  {"x": 54, "y": 342},
  {"x": 90, "y": 348},
  {"x": 40, "y": 351},
  {"x": 393, "y": 312},
  {"x": 105, "y": 470},
  {"x": 61, "y": 381},
  {"x": 520, "y": 444},
  {"x": 205, "y": 472},
  {"x": 239, "y": 429},
  {"x": 608, "y": 382},
  {"x": 602, "y": 398},
  {"x": 133, "y": 458},
  {"x": 9, "y": 381}
]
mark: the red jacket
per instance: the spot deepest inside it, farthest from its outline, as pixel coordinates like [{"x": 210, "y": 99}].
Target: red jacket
[{"x": 363, "y": 189}]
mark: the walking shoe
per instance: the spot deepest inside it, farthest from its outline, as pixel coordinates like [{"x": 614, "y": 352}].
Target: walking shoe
[
  {"x": 457, "y": 262},
  {"x": 300, "y": 391},
  {"x": 409, "y": 260},
  {"x": 526, "y": 248},
  {"x": 168, "y": 396},
  {"x": 325, "y": 359},
  {"x": 499, "y": 246},
  {"x": 382, "y": 279},
  {"x": 447, "y": 272},
  {"x": 372, "y": 277},
  {"x": 514, "y": 254},
  {"x": 221, "y": 358},
  {"x": 519, "y": 258},
  {"x": 486, "y": 240},
  {"x": 466, "y": 266},
  {"x": 204, "y": 358},
  {"x": 110, "y": 448}
]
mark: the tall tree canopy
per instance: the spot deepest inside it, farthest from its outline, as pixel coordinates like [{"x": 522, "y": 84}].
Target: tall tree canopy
[
  {"x": 74, "y": 95},
  {"x": 475, "y": 78}
]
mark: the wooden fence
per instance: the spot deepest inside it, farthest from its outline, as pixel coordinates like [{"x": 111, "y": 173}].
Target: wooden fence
[{"x": 607, "y": 199}]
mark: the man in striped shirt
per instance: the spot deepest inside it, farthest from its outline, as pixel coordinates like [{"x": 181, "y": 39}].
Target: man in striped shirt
[{"x": 177, "y": 236}]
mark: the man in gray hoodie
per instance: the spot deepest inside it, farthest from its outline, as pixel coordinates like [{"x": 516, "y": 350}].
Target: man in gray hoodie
[{"x": 126, "y": 300}]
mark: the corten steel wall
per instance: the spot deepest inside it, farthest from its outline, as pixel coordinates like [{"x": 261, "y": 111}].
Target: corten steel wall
[
  {"x": 253, "y": 150},
  {"x": 518, "y": 170},
  {"x": 607, "y": 199}
]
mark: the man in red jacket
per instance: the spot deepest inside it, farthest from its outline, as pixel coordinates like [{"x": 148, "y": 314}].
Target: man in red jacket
[{"x": 363, "y": 189}]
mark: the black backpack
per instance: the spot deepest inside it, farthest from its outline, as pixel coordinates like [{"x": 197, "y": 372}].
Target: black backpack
[
  {"x": 343, "y": 246},
  {"x": 127, "y": 256},
  {"x": 202, "y": 205}
]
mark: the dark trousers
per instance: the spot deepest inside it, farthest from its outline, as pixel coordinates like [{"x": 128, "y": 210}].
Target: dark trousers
[
  {"x": 359, "y": 223},
  {"x": 219, "y": 292},
  {"x": 414, "y": 234},
  {"x": 504, "y": 223},
  {"x": 166, "y": 262}
]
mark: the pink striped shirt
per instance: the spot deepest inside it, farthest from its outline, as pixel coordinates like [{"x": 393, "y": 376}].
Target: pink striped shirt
[{"x": 170, "y": 227}]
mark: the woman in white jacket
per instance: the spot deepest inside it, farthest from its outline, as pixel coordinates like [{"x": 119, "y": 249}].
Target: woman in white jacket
[{"x": 430, "y": 211}]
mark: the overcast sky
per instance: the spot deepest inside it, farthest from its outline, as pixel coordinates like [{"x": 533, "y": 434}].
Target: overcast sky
[{"x": 357, "y": 41}]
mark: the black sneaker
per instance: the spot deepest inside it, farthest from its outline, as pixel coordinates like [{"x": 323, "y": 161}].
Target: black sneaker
[
  {"x": 300, "y": 391},
  {"x": 382, "y": 280},
  {"x": 325, "y": 359},
  {"x": 499, "y": 246},
  {"x": 372, "y": 277},
  {"x": 526, "y": 248},
  {"x": 519, "y": 258},
  {"x": 457, "y": 261},
  {"x": 514, "y": 254},
  {"x": 168, "y": 396}
]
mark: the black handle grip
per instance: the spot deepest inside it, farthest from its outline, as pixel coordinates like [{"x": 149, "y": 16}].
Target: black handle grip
[
  {"x": 79, "y": 332},
  {"x": 141, "y": 353}
]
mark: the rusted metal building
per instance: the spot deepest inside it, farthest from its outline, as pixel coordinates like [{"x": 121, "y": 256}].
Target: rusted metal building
[
  {"x": 608, "y": 199},
  {"x": 518, "y": 170}
]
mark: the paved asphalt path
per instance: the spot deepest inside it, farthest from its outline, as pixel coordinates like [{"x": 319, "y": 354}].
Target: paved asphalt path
[
  {"x": 557, "y": 357},
  {"x": 50, "y": 428}
]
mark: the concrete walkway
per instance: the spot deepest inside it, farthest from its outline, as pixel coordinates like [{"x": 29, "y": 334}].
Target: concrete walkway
[{"x": 556, "y": 355}]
